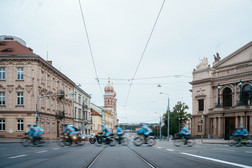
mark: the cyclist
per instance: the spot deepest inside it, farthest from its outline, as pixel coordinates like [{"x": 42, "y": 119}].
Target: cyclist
[
  {"x": 244, "y": 132},
  {"x": 36, "y": 132},
  {"x": 119, "y": 132},
  {"x": 144, "y": 130},
  {"x": 185, "y": 132},
  {"x": 70, "y": 130},
  {"x": 107, "y": 131}
]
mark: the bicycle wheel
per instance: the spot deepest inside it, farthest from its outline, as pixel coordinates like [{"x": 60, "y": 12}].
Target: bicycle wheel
[
  {"x": 249, "y": 143},
  {"x": 99, "y": 141},
  {"x": 138, "y": 141},
  {"x": 177, "y": 142},
  {"x": 190, "y": 142},
  {"x": 151, "y": 142},
  {"x": 60, "y": 142},
  {"x": 112, "y": 142},
  {"x": 25, "y": 142},
  {"x": 232, "y": 141},
  {"x": 124, "y": 141}
]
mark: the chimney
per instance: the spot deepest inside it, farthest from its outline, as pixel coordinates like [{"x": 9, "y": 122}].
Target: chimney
[{"x": 50, "y": 62}]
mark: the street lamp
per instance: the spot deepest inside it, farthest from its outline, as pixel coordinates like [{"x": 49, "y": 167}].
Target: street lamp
[
  {"x": 159, "y": 127},
  {"x": 240, "y": 101},
  {"x": 168, "y": 114},
  {"x": 218, "y": 105}
]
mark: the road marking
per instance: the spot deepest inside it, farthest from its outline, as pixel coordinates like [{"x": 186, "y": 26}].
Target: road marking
[
  {"x": 226, "y": 150},
  {"x": 217, "y": 160},
  {"x": 159, "y": 147},
  {"x": 17, "y": 156},
  {"x": 248, "y": 151},
  {"x": 56, "y": 148},
  {"x": 169, "y": 149},
  {"x": 42, "y": 151}
]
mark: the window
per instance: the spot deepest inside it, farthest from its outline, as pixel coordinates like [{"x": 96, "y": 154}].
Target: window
[
  {"x": 2, "y": 98},
  {"x": 20, "y": 125},
  {"x": 53, "y": 104},
  {"x": 20, "y": 98},
  {"x": 42, "y": 125},
  {"x": 2, "y": 124},
  {"x": 20, "y": 73},
  {"x": 201, "y": 104},
  {"x": 79, "y": 111},
  {"x": 227, "y": 97},
  {"x": 47, "y": 103},
  {"x": 42, "y": 77},
  {"x": 247, "y": 95},
  {"x": 53, "y": 128},
  {"x": 2, "y": 73},
  {"x": 53, "y": 81},
  {"x": 48, "y": 127},
  {"x": 200, "y": 128},
  {"x": 48, "y": 81},
  {"x": 42, "y": 102},
  {"x": 75, "y": 112}
]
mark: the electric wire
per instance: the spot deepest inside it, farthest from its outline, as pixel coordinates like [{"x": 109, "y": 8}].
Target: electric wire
[
  {"x": 89, "y": 45},
  {"x": 146, "y": 45}
]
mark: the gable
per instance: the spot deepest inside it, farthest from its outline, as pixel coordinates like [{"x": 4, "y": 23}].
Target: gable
[{"x": 242, "y": 55}]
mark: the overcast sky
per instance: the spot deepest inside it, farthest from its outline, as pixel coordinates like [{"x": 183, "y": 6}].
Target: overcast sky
[{"x": 187, "y": 30}]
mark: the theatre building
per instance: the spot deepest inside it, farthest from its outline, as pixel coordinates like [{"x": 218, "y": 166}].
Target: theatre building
[{"x": 222, "y": 94}]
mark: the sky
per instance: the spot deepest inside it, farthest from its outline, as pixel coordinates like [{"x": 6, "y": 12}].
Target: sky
[{"x": 118, "y": 30}]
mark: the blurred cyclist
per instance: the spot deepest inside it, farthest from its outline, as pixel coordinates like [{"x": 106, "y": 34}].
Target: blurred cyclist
[
  {"x": 107, "y": 131},
  {"x": 119, "y": 132},
  {"x": 36, "y": 132},
  {"x": 144, "y": 130},
  {"x": 244, "y": 132},
  {"x": 70, "y": 130},
  {"x": 185, "y": 132}
]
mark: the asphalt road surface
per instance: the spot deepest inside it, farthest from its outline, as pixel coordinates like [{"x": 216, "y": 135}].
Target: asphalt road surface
[{"x": 163, "y": 154}]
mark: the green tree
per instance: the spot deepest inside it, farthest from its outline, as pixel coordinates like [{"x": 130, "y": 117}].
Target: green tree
[{"x": 177, "y": 117}]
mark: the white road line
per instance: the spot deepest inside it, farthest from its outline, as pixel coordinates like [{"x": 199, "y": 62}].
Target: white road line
[
  {"x": 169, "y": 149},
  {"x": 159, "y": 147},
  {"x": 226, "y": 150},
  {"x": 56, "y": 148},
  {"x": 217, "y": 160},
  {"x": 42, "y": 151},
  {"x": 248, "y": 151},
  {"x": 17, "y": 156}
]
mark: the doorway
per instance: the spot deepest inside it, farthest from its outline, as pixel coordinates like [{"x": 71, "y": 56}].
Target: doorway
[{"x": 229, "y": 127}]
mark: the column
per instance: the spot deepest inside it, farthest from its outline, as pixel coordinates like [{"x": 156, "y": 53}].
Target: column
[
  {"x": 219, "y": 127},
  {"x": 214, "y": 127},
  {"x": 250, "y": 125},
  {"x": 237, "y": 124},
  {"x": 242, "y": 121}
]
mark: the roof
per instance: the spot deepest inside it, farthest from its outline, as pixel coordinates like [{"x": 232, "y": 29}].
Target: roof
[
  {"x": 95, "y": 113},
  {"x": 14, "y": 48}
]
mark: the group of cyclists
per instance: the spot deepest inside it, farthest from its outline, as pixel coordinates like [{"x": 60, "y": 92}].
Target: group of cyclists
[{"x": 35, "y": 132}]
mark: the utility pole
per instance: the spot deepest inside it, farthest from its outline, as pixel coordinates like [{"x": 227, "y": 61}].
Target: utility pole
[{"x": 160, "y": 129}]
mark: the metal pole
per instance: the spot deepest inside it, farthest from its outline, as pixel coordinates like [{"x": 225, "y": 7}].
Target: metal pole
[
  {"x": 168, "y": 120},
  {"x": 202, "y": 128},
  {"x": 160, "y": 129}
]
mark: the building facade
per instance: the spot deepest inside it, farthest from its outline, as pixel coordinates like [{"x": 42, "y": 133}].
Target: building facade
[
  {"x": 96, "y": 121},
  {"x": 27, "y": 80},
  {"x": 82, "y": 110},
  {"x": 222, "y": 94},
  {"x": 100, "y": 110}
]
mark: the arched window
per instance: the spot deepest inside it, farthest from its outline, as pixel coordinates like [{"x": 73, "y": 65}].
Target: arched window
[
  {"x": 247, "y": 94},
  {"x": 227, "y": 97},
  {"x": 108, "y": 102}
]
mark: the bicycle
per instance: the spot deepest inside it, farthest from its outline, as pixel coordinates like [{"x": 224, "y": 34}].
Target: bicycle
[
  {"x": 139, "y": 140},
  {"x": 180, "y": 139},
  {"x": 65, "y": 140},
  {"x": 239, "y": 140},
  {"x": 124, "y": 140},
  {"x": 28, "y": 140}
]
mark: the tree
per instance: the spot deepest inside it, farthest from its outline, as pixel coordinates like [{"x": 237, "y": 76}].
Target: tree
[{"x": 177, "y": 117}]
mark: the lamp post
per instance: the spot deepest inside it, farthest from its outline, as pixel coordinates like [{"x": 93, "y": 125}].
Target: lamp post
[
  {"x": 218, "y": 105},
  {"x": 240, "y": 101},
  {"x": 168, "y": 114}
]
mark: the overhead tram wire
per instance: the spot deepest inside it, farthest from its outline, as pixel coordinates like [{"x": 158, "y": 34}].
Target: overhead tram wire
[
  {"x": 89, "y": 45},
  {"x": 146, "y": 45}
]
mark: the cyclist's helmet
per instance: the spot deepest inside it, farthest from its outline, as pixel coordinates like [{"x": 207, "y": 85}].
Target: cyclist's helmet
[{"x": 241, "y": 127}]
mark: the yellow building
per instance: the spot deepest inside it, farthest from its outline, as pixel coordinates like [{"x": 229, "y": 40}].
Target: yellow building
[
  {"x": 109, "y": 119},
  {"x": 96, "y": 120}
]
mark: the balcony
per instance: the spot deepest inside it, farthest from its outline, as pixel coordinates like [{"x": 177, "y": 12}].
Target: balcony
[{"x": 60, "y": 114}]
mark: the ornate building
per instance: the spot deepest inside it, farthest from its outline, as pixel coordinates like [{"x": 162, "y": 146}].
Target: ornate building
[
  {"x": 26, "y": 79},
  {"x": 222, "y": 94},
  {"x": 110, "y": 105}
]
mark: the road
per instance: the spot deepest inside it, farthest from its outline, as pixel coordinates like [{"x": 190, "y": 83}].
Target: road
[{"x": 163, "y": 154}]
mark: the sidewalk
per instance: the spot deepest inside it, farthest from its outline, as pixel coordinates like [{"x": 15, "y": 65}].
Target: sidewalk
[
  {"x": 10, "y": 140},
  {"x": 205, "y": 140}
]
